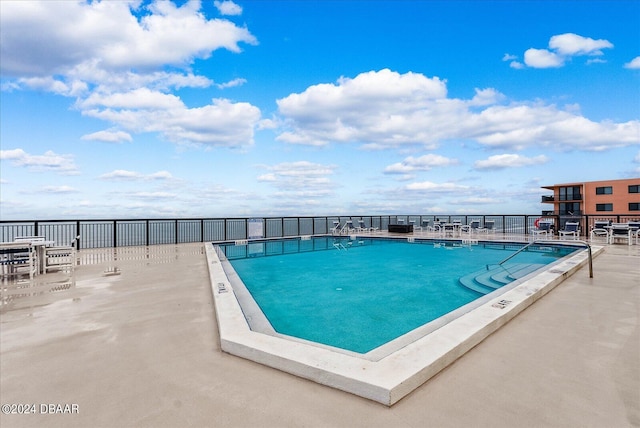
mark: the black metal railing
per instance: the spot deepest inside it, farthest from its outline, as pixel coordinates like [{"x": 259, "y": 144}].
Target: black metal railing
[{"x": 103, "y": 233}]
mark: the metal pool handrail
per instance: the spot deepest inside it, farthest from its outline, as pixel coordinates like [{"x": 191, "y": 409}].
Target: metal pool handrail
[{"x": 585, "y": 244}]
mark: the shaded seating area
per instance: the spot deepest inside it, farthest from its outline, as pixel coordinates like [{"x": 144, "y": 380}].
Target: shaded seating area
[{"x": 571, "y": 230}]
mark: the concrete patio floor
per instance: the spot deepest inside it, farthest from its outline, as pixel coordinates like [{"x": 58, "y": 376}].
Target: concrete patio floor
[{"x": 140, "y": 348}]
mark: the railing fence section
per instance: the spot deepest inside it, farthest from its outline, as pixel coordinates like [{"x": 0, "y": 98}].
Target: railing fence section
[{"x": 123, "y": 233}]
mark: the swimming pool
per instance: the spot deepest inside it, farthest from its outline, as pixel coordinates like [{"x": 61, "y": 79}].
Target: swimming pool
[
  {"x": 393, "y": 370},
  {"x": 358, "y": 294}
]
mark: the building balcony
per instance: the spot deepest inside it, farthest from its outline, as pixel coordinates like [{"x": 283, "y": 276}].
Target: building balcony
[
  {"x": 576, "y": 213},
  {"x": 547, "y": 199},
  {"x": 571, "y": 198}
]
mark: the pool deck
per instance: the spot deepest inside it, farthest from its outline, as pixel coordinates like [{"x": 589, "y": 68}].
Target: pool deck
[{"x": 140, "y": 347}]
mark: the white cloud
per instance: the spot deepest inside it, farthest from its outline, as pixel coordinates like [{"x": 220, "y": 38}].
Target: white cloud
[
  {"x": 563, "y": 47},
  {"x": 221, "y": 123},
  {"x": 634, "y": 64},
  {"x": 232, "y": 83},
  {"x": 509, "y": 161},
  {"x": 125, "y": 175},
  {"x": 374, "y": 107},
  {"x": 72, "y": 33},
  {"x": 475, "y": 200},
  {"x": 542, "y": 58},
  {"x": 431, "y": 187},
  {"x": 570, "y": 44},
  {"x": 422, "y": 163},
  {"x": 301, "y": 179},
  {"x": 119, "y": 59},
  {"x": 389, "y": 110},
  {"x": 151, "y": 195},
  {"x": 60, "y": 189},
  {"x": 227, "y": 7},
  {"x": 108, "y": 136},
  {"x": 49, "y": 161}
]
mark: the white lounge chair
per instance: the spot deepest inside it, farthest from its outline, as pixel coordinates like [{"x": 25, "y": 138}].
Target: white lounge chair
[
  {"x": 599, "y": 230},
  {"x": 471, "y": 228},
  {"x": 336, "y": 228},
  {"x": 61, "y": 258},
  {"x": 362, "y": 227},
  {"x": 488, "y": 227},
  {"x": 544, "y": 228},
  {"x": 571, "y": 230},
  {"x": 621, "y": 231}
]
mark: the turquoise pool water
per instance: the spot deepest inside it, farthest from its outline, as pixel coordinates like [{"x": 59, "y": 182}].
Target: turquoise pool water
[{"x": 360, "y": 294}]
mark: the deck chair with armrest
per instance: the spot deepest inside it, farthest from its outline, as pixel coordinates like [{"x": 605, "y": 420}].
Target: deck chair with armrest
[
  {"x": 599, "y": 230},
  {"x": 571, "y": 230},
  {"x": 61, "y": 258},
  {"x": 544, "y": 228},
  {"x": 620, "y": 231},
  {"x": 488, "y": 227},
  {"x": 471, "y": 228}
]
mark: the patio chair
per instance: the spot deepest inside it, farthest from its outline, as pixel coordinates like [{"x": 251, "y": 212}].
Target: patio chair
[
  {"x": 336, "y": 227},
  {"x": 635, "y": 230},
  {"x": 363, "y": 227},
  {"x": 543, "y": 228},
  {"x": 18, "y": 259},
  {"x": 348, "y": 227},
  {"x": 488, "y": 227},
  {"x": 424, "y": 226},
  {"x": 599, "y": 230},
  {"x": 621, "y": 231},
  {"x": 60, "y": 258},
  {"x": 571, "y": 230},
  {"x": 471, "y": 228}
]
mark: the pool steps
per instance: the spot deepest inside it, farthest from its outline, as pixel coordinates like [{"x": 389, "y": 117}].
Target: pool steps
[{"x": 485, "y": 281}]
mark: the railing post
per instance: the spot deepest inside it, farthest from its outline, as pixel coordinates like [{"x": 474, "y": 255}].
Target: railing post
[
  {"x": 115, "y": 233},
  {"x": 77, "y": 235},
  {"x": 175, "y": 238}
]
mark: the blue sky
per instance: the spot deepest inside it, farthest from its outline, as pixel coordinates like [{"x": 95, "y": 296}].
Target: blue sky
[{"x": 267, "y": 108}]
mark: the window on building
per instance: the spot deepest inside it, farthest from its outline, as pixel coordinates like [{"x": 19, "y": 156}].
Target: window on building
[
  {"x": 570, "y": 193},
  {"x": 607, "y": 190},
  {"x": 634, "y": 206},
  {"x": 634, "y": 188},
  {"x": 604, "y": 207},
  {"x": 569, "y": 208}
]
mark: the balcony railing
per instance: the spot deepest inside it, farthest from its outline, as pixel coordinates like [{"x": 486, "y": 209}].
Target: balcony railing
[
  {"x": 128, "y": 232},
  {"x": 547, "y": 199},
  {"x": 574, "y": 197}
]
